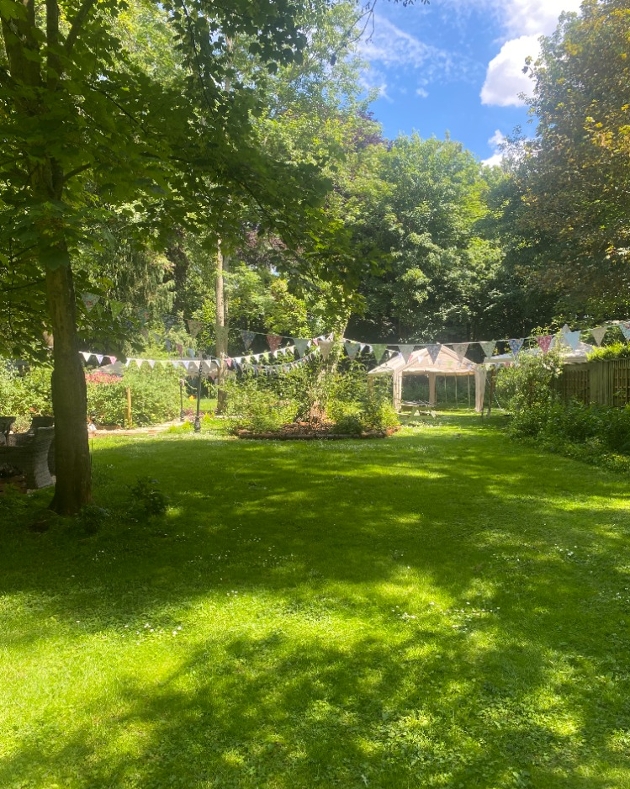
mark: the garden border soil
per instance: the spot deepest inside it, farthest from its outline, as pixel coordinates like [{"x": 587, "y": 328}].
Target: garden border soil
[{"x": 286, "y": 434}]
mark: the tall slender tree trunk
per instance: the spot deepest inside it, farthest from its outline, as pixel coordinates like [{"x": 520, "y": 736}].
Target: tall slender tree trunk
[
  {"x": 69, "y": 395},
  {"x": 221, "y": 329}
]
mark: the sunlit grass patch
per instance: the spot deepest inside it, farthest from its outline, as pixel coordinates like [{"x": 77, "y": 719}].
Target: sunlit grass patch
[{"x": 440, "y": 609}]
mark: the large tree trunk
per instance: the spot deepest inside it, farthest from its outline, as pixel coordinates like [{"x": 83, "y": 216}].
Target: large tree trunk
[
  {"x": 69, "y": 396},
  {"x": 221, "y": 329}
]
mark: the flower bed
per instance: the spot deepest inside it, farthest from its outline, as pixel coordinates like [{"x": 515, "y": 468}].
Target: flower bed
[{"x": 309, "y": 431}]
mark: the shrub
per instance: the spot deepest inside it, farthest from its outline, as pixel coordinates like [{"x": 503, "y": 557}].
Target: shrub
[
  {"x": 25, "y": 392},
  {"x": 251, "y": 406},
  {"x": 616, "y": 350},
  {"x": 311, "y": 392},
  {"x": 147, "y": 496},
  {"x": 154, "y": 396}
]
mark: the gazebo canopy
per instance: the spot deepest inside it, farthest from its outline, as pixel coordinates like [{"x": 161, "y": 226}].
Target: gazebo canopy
[{"x": 446, "y": 363}]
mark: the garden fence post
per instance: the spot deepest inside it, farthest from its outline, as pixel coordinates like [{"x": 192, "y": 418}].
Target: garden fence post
[{"x": 128, "y": 390}]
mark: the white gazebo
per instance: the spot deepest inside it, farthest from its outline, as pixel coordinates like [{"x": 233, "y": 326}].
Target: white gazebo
[{"x": 446, "y": 363}]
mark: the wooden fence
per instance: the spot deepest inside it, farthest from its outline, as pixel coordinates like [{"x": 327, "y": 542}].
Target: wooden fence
[{"x": 601, "y": 382}]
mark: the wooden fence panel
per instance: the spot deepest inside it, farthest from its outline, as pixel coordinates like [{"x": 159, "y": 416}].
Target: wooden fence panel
[{"x": 605, "y": 382}]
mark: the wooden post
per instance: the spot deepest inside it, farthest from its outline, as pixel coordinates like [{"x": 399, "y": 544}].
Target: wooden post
[{"x": 129, "y": 423}]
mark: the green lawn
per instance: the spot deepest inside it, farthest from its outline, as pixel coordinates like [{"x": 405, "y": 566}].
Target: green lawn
[{"x": 441, "y": 609}]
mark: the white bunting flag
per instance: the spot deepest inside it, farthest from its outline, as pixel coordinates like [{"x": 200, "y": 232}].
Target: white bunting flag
[
  {"x": 325, "y": 347},
  {"x": 378, "y": 349},
  {"x": 625, "y": 328},
  {"x": 573, "y": 339},
  {"x": 406, "y": 351},
  {"x": 599, "y": 333},
  {"x": 151, "y": 363},
  {"x": 99, "y": 357},
  {"x": 433, "y": 350},
  {"x": 301, "y": 345},
  {"x": 488, "y": 347},
  {"x": 138, "y": 362},
  {"x": 86, "y": 355},
  {"x": 461, "y": 348},
  {"x": 352, "y": 348}
]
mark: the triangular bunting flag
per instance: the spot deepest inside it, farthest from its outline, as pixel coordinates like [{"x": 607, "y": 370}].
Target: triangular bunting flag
[
  {"x": 180, "y": 348},
  {"x": 99, "y": 357},
  {"x": 324, "y": 347},
  {"x": 461, "y": 348},
  {"x": 378, "y": 349},
  {"x": 544, "y": 342},
  {"x": 599, "y": 334},
  {"x": 433, "y": 350},
  {"x": 168, "y": 344},
  {"x": 193, "y": 366},
  {"x": 488, "y": 347},
  {"x": 112, "y": 359},
  {"x": 301, "y": 345},
  {"x": 86, "y": 355},
  {"x": 352, "y": 348},
  {"x": 169, "y": 321},
  {"x": 138, "y": 362},
  {"x": 175, "y": 363},
  {"x": 90, "y": 300},
  {"x": 406, "y": 351},
  {"x": 151, "y": 363},
  {"x": 516, "y": 345},
  {"x": 573, "y": 339},
  {"x": 116, "y": 308},
  {"x": 273, "y": 340},
  {"x": 229, "y": 362},
  {"x": 190, "y": 352},
  {"x": 194, "y": 327},
  {"x": 248, "y": 338},
  {"x": 625, "y": 328}
]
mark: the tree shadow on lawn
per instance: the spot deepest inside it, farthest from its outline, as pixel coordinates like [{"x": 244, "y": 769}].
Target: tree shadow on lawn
[
  {"x": 517, "y": 676},
  {"x": 272, "y": 712}
]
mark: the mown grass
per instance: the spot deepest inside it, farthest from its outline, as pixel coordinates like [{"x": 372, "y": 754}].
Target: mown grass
[{"x": 440, "y": 609}]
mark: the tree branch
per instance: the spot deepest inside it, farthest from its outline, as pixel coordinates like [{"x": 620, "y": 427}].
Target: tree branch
[
  {"x": 77, "y": 23},
  {"x": 76, "y": 171}
]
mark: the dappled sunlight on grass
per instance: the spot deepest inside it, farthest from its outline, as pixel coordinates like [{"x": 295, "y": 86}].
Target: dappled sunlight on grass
[{"x": 441, "y": 609}]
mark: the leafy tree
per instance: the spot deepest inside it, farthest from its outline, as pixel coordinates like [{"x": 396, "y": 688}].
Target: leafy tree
[
  {"x": 573, "y": 179},
  {"x": 430, "y": 202},
  {"x": 87, "y": 126}
]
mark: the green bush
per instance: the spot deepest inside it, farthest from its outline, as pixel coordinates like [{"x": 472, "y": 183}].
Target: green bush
[
  {"x": 25, "y": 393},
  {"x": 595, "y": 433},
  {"x": 255, "y": 407},
  {"x": 154, "y": 396},
  {"x": 312, "y": 392},
  {"x": 616, "y": 350}
]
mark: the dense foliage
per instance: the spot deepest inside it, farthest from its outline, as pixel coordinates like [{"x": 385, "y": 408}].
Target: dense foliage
[
  {"x": 315, "y": 394},
  {"x": 154, "y": 395},
  {"x": 595, "y": 433}
]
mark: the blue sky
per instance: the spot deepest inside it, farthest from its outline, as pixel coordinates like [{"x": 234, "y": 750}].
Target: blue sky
[{"x": 456, "y": 66}]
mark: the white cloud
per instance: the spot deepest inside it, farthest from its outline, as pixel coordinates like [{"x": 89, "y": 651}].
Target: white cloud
[
  {"x": 391, "y": 46},
  {"x": 505, "y": 79},
  {"x": 533, "y": 17},
  {"x": 422, "y": 93},
  {"x": 496, "y": 141},
  {"x": 374, "y": 81},
  {"x": 523, "y": 21}
]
